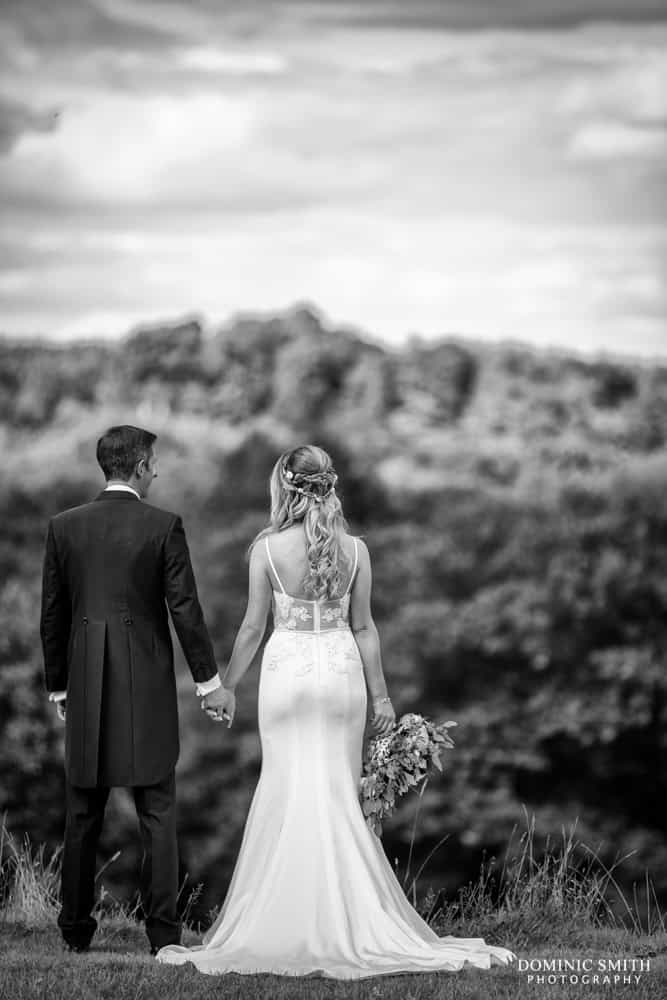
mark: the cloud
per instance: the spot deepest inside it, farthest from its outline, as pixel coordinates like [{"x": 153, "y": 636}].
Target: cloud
[
  {"x": 613, "y": 140},
  {"x": 630, "y": 83},
  {"x": 76, "y": 25},
  {"x": 616, "y": 109},
  {"x": 17, "y": 118},
  {"x": 582, "y": 287},
  {"x": 492, "y": 181},
  {"x": 483, "y": 14},
  {"x": 210, "y": 59}
]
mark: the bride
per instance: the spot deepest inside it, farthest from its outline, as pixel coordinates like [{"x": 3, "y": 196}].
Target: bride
[{"x": 312, "y": 891}]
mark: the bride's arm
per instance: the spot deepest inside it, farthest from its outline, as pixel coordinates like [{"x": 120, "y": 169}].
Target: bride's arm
[
  {"x": 368, "y": 640},
  {"x": 253, "y": 626}
]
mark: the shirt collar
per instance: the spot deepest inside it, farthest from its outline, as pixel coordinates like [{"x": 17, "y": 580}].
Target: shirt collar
[{"x": 121, "y": 486}]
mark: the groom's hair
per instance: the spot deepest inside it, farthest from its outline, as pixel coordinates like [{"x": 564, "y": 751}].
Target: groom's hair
[{"x": 120, "y": 448}]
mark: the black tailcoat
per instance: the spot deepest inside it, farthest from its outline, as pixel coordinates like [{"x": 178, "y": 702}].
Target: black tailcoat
[{"x": 111, "y": 569}]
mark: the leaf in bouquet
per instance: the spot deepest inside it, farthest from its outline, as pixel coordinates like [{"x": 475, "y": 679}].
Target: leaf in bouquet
[{"x": 437, "y": 762}]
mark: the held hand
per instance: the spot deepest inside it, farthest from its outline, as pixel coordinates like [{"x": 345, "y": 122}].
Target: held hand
[
  {"x": 61, "y": 708},
  {"x": 220, "y": 705},
  {"x": 384, "y": 717}
]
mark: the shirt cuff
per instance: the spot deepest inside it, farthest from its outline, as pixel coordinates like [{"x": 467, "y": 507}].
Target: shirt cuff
[
  {"x": 207, "y": 687},
  {"x": 57, "y": 695}
]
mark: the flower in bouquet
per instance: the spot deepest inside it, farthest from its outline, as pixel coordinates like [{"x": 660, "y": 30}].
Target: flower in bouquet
[{"x": 399, "y": 761}]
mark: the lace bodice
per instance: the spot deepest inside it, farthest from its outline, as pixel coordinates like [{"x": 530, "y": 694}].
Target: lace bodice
[
  {"x": 296, "y": 614},
  {"x": 309, "y": 616}
]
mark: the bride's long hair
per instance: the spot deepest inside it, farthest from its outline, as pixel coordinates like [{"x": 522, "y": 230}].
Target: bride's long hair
[{"x": 303, "y": 490}]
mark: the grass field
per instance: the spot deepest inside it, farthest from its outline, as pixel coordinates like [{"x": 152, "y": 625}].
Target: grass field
[
  {"x": 552, "y": 909},
  {"x": 119, "y": 967}
]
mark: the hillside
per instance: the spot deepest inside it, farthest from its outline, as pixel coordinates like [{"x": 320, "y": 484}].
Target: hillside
[{"x": 514, "y": 505}]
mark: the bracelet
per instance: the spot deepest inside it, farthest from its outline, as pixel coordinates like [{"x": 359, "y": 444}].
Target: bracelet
[{"x": 380, "y": 701}]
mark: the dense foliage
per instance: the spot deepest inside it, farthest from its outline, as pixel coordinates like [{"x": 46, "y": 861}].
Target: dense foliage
[{"x": 514, "y": 505}]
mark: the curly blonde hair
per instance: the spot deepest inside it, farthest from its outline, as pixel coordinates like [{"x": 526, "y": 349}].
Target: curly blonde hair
[{"x": 303, "y": 490}]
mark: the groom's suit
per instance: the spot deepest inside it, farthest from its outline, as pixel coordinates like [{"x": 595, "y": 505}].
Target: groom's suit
[{"x": 111, "y": 569}]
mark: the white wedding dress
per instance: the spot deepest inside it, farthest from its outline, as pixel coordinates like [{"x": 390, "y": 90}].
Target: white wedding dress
[{"x": 312, "y": 892}]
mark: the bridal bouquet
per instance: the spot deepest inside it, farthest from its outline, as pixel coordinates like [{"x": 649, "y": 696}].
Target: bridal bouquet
[{"x": 400, "y": 761}]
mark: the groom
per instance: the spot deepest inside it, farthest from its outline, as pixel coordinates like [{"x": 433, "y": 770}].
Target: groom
[{"x": 111, "y": 569}]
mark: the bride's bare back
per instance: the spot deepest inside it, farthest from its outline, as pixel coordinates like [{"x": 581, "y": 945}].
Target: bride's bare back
[{"x": 289, "y": 553}]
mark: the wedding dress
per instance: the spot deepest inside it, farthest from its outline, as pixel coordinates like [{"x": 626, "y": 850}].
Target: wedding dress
[{"x": 312, "y": 892}]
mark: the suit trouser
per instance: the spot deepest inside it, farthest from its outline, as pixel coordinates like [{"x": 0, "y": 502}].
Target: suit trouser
[{"x": 155, "y": 805}]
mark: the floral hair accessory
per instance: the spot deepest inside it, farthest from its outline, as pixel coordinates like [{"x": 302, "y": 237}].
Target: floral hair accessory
[
  {"x": 317, "y": 486},
  {"x": 317, "y": 497}
]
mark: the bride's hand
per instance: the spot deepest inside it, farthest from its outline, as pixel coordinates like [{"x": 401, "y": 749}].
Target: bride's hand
[
  {"x": 220, "y": 705},
  {"x": 384, "y": 717}
]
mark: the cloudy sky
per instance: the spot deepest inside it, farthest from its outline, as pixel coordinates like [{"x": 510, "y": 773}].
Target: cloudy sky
[{"x": 492, "y": 168}]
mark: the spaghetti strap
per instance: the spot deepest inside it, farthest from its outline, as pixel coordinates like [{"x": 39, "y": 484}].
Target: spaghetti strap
[
  {"x": 275, "y": 571},
  {"x": 354, "y": 567}
]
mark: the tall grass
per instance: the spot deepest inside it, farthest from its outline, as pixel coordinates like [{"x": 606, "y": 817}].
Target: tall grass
[
  {"x": 562, "y": 894},
  {"x": 30, "y": 886},
  {"x": 29, "y": 881}
]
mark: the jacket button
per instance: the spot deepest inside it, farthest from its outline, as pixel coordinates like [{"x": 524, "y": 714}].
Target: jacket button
[
  {"x": 128, "y": 621},
  {"x": 85, "y": 621}
]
